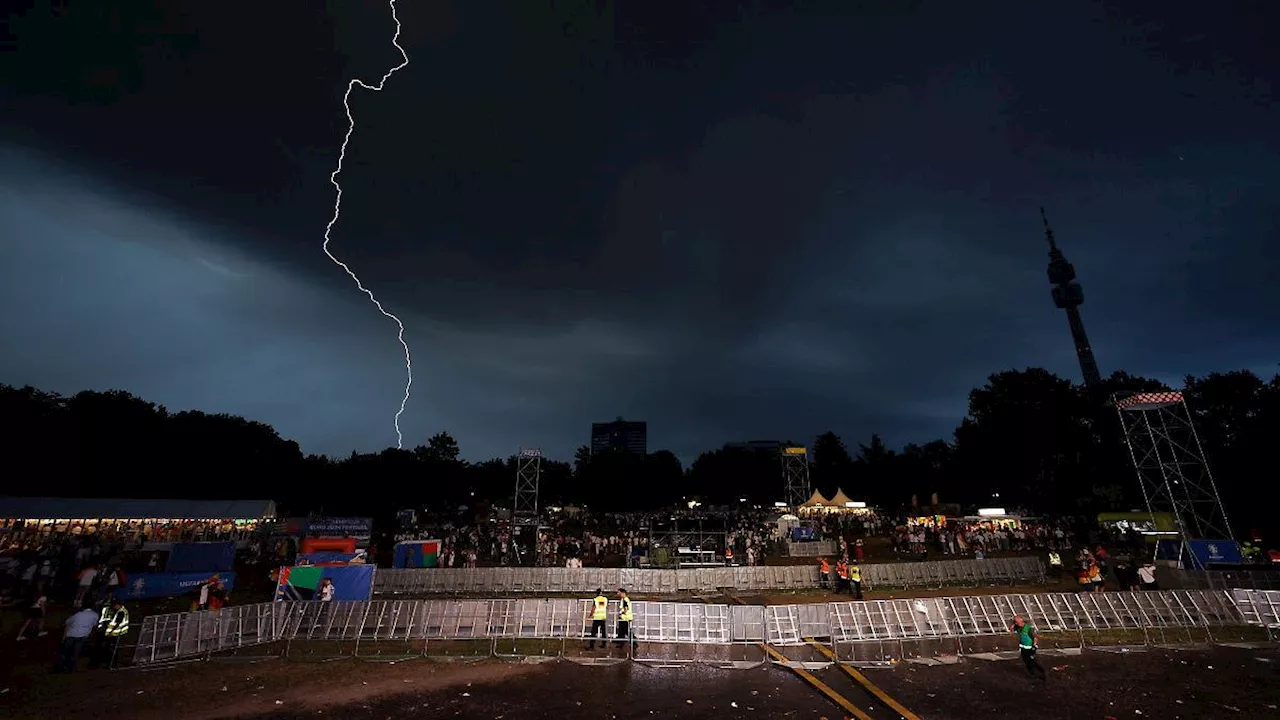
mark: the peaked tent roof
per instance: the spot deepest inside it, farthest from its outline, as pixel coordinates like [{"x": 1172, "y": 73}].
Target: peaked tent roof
[
  {"x": 816, "y": 500},
  {"x": 40, "y": 508},
  {"x": 840, "y": 500}
]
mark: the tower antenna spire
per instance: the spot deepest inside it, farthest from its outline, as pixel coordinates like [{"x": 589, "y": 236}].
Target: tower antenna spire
[
  {"x": 1048, "y": 231},
  {"x": 1068, "y": 296}
]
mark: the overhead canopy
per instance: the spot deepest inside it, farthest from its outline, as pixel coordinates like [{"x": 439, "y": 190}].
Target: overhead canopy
[
  {"x": 840, "y": 500},
  {"x": 816, "y": 500},
  {"x": 34, "y": 508}
]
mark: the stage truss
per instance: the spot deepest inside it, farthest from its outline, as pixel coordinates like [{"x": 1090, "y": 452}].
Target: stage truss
[
  {"x": 795, "y": 475},
  {"x": 1172, "y": 470}
]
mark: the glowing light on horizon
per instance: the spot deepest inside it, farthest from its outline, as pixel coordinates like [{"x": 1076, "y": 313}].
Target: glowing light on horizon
[{"x": 337, "y": 209}]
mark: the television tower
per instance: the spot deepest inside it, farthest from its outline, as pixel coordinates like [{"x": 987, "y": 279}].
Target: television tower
[{"x": 1068, "y": 295}]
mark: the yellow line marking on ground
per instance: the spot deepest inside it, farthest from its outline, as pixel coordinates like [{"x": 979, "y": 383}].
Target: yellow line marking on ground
[
  {"x": 822, "y": 687},
  {"x": 809, "y": 677},
  {"x": 862, "y": 680}
]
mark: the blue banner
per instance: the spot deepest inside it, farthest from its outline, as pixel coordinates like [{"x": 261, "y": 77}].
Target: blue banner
[
  {"x": 302, "y": 582},
  {"x": 356, "y": 527},
  {"x": 417, "y": 554},
  {"x": 1215, "y": 552},
  {"x": 802, "y": 534},
  {"x": 201, "y": 557},
  {"x": 143, "y": 586}
]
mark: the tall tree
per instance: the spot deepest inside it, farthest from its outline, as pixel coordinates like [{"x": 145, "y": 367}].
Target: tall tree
[
  {"x": 443, "y": 447},
  {"x": 832, "y": 466},
  {"x": 1024, "y": 440}
]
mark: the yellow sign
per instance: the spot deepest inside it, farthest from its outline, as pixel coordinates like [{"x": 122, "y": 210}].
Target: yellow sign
[{"x": 793, "y": 451}]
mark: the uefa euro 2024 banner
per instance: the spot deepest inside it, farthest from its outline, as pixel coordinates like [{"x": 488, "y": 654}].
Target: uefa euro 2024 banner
[{"x": 142, "y": 586}]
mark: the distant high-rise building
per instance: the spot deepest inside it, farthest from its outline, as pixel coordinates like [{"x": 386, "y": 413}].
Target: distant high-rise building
[
  {"x": 1068, "y": 295},
  {"x": 624, "y": 436}
]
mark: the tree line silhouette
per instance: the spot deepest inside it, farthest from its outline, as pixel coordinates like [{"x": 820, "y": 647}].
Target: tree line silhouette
[{"x": 1029, "y": 438}]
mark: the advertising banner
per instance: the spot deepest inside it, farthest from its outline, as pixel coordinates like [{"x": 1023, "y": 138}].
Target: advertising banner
[
  {"x": 356, "y": 527},
  {"x": 205, "y": 557},
  {"x": 331, "y": 558},
  {"x": 417, "y": 554},
  {"x": 802, "y": 534},
  {"x": 1215, "y": 552},
  {"x": 143, "y": 586},
  {"x": 350, "y": 582}
]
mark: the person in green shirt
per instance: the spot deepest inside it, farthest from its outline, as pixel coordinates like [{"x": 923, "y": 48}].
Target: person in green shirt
[{"x": 1027, "y": 645}]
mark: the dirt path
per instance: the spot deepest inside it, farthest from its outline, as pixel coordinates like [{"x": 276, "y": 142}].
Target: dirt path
[{"x": 209, "y": 690}]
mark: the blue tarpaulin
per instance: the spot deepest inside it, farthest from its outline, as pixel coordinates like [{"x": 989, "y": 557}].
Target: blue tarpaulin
[
  {"x": 141, "y": 586},
  {"x": 201, "y": 557}
]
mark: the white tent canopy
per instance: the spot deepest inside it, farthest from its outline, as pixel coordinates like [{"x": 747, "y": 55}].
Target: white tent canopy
[
  {"x": 840, "y": 500},
  {"x": 816, "y": 500}
]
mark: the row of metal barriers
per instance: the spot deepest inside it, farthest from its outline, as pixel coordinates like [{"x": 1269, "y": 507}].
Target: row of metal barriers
[
  {"x": 460, "y": 581},
  {"x": 416, "y": 623}
]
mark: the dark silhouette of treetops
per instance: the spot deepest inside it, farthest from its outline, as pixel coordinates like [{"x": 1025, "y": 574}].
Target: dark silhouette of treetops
[{"x": 1030, "y": 439}]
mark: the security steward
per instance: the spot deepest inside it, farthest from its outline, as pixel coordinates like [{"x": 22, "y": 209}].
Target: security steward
[
  {"x": 599, "y": 613},
  {"x": 624, "y": 618},
  {"x": 842, "y": 576},
  {"x": 825, "y": 569},
  {"x": 855, "y": 577},
  {"x": 1055, "y": 564},
  {"x": 113, "y": 624}
]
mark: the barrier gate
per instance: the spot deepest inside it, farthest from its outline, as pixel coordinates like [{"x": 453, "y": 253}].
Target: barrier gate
[{"x": 675, "y": 633}]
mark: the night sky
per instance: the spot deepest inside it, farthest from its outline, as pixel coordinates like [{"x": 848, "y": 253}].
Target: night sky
[{"x": 758, "y": 221}]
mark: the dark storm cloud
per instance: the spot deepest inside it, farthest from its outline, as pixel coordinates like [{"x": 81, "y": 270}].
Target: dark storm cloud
[{"x": 739, "y": 223}]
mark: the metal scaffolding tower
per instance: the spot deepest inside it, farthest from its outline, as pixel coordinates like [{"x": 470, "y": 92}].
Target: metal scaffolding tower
[
  {"x": 1171, "y": 466},
  {"x": 522, "y": 544},
  {"x": 524, "y": 505},
  {"x": 795, "y": 475}
]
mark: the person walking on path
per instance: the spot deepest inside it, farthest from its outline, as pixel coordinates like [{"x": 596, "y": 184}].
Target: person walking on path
[
  {"x": 1027, "y": 645},
  {"x": 79, "y": 627}
]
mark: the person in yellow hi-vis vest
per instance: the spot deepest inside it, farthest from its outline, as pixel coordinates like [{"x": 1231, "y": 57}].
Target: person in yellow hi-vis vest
[
  {"x": 624, "y": 619},
  {"x": 113, "y": 624},
  {"x": 855, "y": 578},
  {"x": 599, "y": 612}
]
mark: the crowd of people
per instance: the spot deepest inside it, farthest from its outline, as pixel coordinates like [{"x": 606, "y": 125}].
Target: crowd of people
[{"x": 579, "y": 539}]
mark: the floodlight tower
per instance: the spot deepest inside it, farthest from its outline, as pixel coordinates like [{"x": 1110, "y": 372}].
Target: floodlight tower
[
  {"x": 795, "y": 475},
  {"x": 1172, "y": 470},
  {"x": 1069, "y": 296}
]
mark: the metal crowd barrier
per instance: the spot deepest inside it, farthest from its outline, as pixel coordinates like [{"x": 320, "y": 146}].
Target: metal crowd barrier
[
  {"x": 818, "y": 548},
  {"x": 1261, "y": 579},
  {"x": 456, "y": 581},
  {"x": 1259, "y": 607},
  {"x": 414, "y": 625}
]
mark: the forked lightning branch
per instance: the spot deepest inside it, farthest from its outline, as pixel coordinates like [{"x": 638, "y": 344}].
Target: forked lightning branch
[{"x": 337, "y": 210}]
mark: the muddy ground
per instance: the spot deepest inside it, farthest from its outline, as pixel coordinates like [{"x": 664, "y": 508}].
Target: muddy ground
[{"x": 1164, "y": 684}]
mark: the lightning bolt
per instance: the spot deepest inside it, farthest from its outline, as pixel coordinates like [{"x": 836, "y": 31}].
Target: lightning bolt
[{"x": 337, "y": 209}]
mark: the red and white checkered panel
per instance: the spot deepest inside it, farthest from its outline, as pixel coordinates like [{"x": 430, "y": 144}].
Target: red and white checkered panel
[{"x": 1149, "y": 401}]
